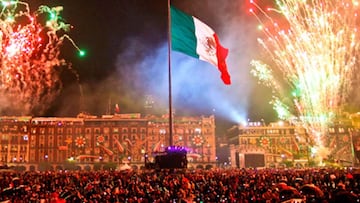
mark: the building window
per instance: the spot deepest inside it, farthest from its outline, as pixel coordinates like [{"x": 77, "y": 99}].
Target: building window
[
  {"x": 42, "y": 138},
  {"x": 14, "y": 139},
  {"x": 5, "y": 128},
  {"x": 60, "y": 131},
  {"x": 50, "y": 131},
  {"x": 13, "y": 148},
  {"x": 78, "y": 131},
  {"x": 59, "y": 138},
  {"x": 24, "y": 128},
  {"x": 69, "y": 131},
  {"x": 32, "y": 142},
  {"x": 97, "y": 130},
  {"x": 88, "y": 137},
  {"x": 88, "y": 130}
]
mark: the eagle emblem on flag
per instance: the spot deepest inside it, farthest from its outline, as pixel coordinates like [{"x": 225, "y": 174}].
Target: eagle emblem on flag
[{"x": 210, "y": 45}]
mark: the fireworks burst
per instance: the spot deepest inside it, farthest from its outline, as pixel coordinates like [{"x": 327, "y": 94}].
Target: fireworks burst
[
  {"x": 316, "y": 51},
  {"x": 30, "y": 64}
]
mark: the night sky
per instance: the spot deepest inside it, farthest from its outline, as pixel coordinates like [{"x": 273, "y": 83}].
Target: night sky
[{"x": 127, "y": 60}]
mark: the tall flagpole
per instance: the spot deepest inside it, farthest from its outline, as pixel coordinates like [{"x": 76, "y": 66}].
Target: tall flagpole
[{"x": 169, "y": 70}]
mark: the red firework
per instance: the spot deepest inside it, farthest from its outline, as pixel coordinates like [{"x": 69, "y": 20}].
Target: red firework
[{"x": 29, "y": 54}]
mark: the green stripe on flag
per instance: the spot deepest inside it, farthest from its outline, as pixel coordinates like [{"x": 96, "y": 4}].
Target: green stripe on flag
[{"x": 183, "y": 37}]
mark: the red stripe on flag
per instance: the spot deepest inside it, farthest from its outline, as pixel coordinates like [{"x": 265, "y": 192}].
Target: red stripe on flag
[{"x": 221, "y": 54}]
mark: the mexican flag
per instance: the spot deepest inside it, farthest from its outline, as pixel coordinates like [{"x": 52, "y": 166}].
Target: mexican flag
[{"x": 192, "y": 37}]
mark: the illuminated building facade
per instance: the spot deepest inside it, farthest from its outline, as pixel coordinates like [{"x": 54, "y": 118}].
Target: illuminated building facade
[
  {"x": 263, "y": 145},
  {"x": 110, "y": 138},
  {"x": 51, "y": 139},
  {"x": 197, "y": 134},
  {"x": 282, "y": 144},
  {"x": 340, "y": 142},
  {"x": 14, "y": 139}
]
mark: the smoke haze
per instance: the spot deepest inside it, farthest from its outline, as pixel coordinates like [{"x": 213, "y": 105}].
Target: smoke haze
[{"x": 128, "y": 60}]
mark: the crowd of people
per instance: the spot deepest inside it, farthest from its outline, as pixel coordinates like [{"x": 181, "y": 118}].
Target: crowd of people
[{"x": 173, "y": 186}]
